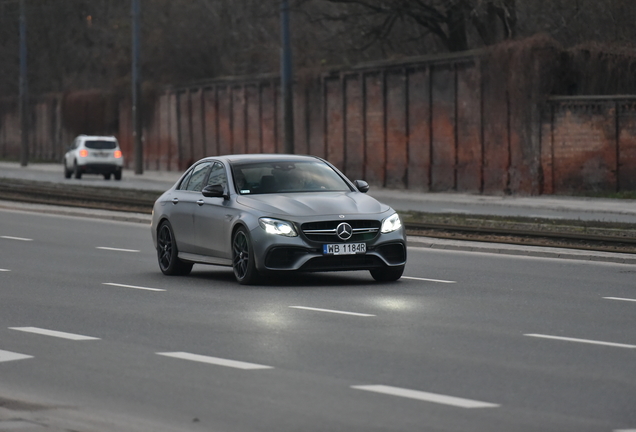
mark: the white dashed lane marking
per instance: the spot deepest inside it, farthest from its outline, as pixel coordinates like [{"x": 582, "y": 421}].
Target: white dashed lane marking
[
  {"x": 4, "y": 270},
  {"x": 332, "y": 311},
  {"x": 9, "y": 356},
  {"x": 429, "y": 280},
  {"x": 587, "y": 341},
  {"x": 16, "y": 238},
  {"x": 214, "y": 360},
  {"x": 425, "y": 396},
  {"x": 132, "y": 286},
  {"x": 620, "y": 298},
  {"x": 115, "y": 249},
  {"x": 53, "y": 333}
]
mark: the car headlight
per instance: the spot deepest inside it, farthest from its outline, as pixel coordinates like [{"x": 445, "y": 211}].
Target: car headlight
[
  {"x": 279, "y": 227},
  {"x": 391, "y": 224}
]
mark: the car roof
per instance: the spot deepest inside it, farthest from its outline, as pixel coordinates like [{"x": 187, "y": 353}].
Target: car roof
[
  {"x": 263, "y": 157},
  {"x": 97, "y": 137}
]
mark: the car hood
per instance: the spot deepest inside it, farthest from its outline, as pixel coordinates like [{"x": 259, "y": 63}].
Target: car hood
[{"x": 315, "y": 203}]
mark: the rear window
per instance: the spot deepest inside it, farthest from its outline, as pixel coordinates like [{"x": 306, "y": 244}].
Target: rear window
[{"x": 101, "y": 145}]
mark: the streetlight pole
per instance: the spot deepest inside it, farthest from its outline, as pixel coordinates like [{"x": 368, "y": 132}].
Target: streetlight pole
[
  {"x": 136, "y": 88},
  {"x": 24, "y": 93},
  {"x": 287, "y": 79}
]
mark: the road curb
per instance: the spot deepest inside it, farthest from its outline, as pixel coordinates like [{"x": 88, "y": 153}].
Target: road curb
[
  {"x": 140, "y": 218},
  {"x": 521, "y": 250}
]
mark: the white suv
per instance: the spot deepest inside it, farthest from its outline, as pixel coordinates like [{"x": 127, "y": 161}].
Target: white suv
[{"x": 94, "y": 155}]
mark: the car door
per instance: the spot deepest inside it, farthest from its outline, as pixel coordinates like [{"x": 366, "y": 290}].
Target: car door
[
  {"x": 184, "y": 203},
  {"x": 213, "y": 218}
]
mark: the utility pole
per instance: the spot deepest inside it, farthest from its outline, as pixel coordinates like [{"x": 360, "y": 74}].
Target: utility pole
[
  {"x": 287, "y": 80},
  {"x": 136, "y": 89},
  {"x": 24, "y": 93}
]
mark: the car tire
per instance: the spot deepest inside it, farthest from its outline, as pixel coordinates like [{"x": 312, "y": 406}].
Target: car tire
[
  {"x": 387, "y": 274},
  {"x": 168, "y": 254},
  {"x": 243, "y": 261},
  {"x": 76, "y": 171},
  {"x": 107, "y": 176},
  {"x": 118, "y": 175},
  {"x": 67, "y": 172}
]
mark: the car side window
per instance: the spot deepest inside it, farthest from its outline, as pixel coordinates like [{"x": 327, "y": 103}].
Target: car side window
[
  {"x": 185, "y": 181},
  {"x": 217, "y": 175},
  {"x": 199, "y": 172}
]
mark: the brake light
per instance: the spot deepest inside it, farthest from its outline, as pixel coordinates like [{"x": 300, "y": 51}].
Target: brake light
[
  {"x": 117, "y": 154},
  {"x": 83, "y": 153}
]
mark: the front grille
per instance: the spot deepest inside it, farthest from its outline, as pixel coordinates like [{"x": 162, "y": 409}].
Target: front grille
[
  {"x": 342, "y": 262},
  {"x": 363, "y": 230}
]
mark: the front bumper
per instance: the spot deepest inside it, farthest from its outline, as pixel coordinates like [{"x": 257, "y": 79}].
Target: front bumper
[{"x": 279, "y": 253}]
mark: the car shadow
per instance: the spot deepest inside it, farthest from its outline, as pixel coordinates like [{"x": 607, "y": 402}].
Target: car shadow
[{"x": 294, "y": 280}]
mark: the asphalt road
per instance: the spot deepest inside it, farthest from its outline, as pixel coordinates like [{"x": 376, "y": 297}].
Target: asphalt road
[{"x": 94, "y": 338}]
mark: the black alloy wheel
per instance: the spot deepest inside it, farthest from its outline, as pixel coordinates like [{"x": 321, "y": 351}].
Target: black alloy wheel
[
  {"x": 387, "y": 274},
  {"x": 167, "y": 253},
  {"x": 243, "y": 258}
]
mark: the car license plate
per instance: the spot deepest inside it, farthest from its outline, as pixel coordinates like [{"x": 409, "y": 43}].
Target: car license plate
[{"x": 344, "y": 249}]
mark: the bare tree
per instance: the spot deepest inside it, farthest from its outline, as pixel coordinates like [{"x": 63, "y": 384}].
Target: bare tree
[
  {"x": 82, "y": 44},
  {"x": 451, "y": 23}
]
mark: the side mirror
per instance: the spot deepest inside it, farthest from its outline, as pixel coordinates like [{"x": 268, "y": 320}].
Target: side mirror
[
  {"x": 362, "y": 186},
  {"x": 214, "y": 191}
]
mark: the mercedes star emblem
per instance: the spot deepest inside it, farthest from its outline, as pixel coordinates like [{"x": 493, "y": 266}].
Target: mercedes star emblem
[{"x": 344, "y": 231}]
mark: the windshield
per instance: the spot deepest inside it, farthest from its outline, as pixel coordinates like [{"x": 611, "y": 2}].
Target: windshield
[
  {"x": 286, "y": 176},
  {"x": 100, "y": 145}
]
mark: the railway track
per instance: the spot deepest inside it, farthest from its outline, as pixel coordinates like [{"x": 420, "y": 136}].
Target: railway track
[{"x": 573, "y": 234}]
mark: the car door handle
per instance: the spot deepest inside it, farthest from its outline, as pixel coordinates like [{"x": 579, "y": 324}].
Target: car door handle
[
  {"x": 175, "y": 200},
  {"x": 200, "y": 202}
]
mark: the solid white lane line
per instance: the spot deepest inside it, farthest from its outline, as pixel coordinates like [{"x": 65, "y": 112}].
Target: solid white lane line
[
  {"x": 588, "y": 341},
  {"x": 16, "y": 238},
  {"x": 53, "y": 333},
  {"x": 427, "y": 397},
  {"x": 624, "y": 430},
  {"x": 9, "y": 356},
  {"x": 429, "y": 280},
  {"x": 332, "y": 311},
  {"x": 115, "y": 249},
  {"x": 132, "y": 286},
  {"x": 214, "y": 360},
  {"x": 619, "y": 298}
]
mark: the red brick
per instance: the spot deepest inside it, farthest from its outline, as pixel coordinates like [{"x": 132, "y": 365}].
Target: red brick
[
  {"x": 396, "y": 139},
  {"x": 374, "y": 129},
  {"x": 419, "y": 133},
  {"x": 354, "y": 139},
  {"x": 469, "y": 147},
  {"x": 444, "y": 123}
]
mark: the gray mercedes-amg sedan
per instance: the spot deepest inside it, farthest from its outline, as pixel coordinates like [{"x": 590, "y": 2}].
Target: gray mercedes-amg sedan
[{"x": 263, "y": 213}]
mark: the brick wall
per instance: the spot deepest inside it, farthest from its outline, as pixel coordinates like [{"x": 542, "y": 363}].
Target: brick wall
[
  {"x": 446, "y": 123},
  {"x": 589, "y": 144}
]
